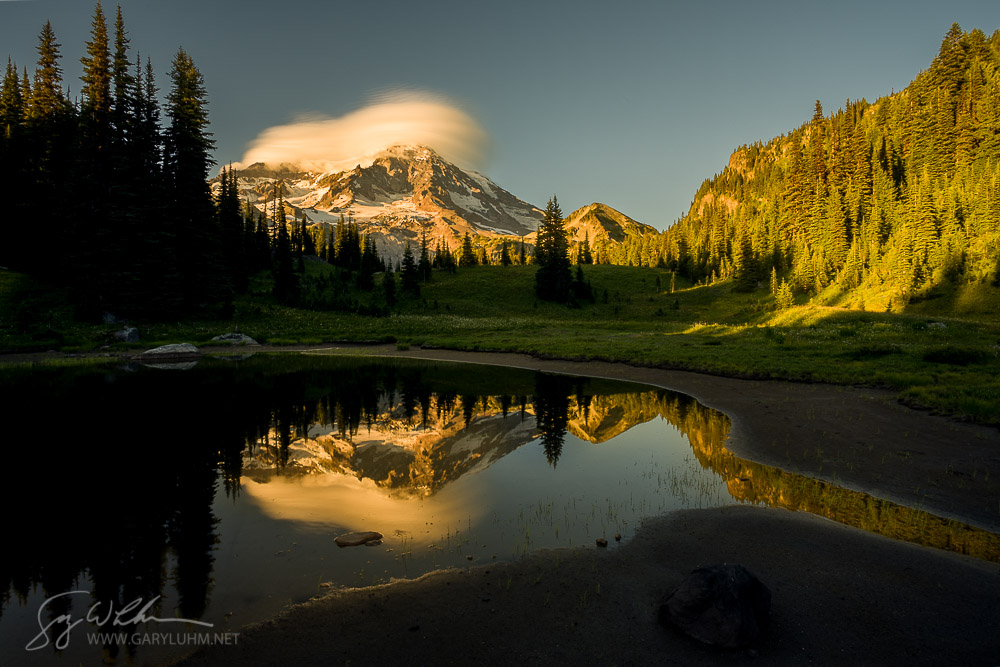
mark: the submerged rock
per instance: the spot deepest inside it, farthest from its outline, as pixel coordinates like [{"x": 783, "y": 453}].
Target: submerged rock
[
  {"x": 724, "y": 605},
  {"x": 357, "y": 539}
]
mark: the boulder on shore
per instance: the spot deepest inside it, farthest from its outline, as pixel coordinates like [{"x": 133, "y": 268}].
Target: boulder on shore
[
  {"x": 724, "y": 605},
  {"x": 235, "y": 339},
  {"x": 173, "y": 350}
]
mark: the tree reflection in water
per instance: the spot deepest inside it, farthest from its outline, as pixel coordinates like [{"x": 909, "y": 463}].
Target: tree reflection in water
[{"x": 136, "y": 511}]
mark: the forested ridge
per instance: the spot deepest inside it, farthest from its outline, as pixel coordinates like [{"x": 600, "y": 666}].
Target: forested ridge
[{"x": 871, "y": 206}]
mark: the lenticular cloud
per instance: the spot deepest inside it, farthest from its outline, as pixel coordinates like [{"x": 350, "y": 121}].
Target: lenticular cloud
[{"x": 408, "y": 118}]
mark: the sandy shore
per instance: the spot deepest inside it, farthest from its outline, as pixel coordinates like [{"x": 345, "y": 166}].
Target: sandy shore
[{"x": 840, "y": 595}]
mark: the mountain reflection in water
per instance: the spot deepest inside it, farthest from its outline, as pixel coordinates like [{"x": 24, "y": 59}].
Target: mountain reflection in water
[{"x": 198, "y": 475}]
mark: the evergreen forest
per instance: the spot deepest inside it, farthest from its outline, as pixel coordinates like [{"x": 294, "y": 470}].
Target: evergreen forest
[{"x": 874, "y": 206}]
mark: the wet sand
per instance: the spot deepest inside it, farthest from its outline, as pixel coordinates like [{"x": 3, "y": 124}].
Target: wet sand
[{"x": 840, "y": 595}]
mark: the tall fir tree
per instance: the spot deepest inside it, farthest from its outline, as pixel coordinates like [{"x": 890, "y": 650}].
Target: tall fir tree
[
  {"x": 409, "y": 273},
  {"x": 553, "y": 279},
  {"x": 468, "y": 256},
  {"x": 286, "y": 287},
  {"x": 50, "y": 131},
  {"x": 189, "y": 206},
  {"x": 424, "y": 264},
  {"x": 504, "y": 253}
]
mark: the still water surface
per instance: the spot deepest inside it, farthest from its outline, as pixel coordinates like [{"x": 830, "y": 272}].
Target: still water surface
[{"x": 221, "y": 488}]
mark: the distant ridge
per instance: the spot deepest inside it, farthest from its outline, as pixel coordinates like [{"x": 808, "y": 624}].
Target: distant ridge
[{"x": 600, "y": 221}]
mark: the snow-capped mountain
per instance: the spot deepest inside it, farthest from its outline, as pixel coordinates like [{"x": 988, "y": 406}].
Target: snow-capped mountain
[{"x": 405, "y": 192}]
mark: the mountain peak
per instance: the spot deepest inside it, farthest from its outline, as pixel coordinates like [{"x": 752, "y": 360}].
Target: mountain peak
[
  {"x": 403, "y": 193},
  {"x": 410, "y": 152},
  {"x": 600, "y": 220}
]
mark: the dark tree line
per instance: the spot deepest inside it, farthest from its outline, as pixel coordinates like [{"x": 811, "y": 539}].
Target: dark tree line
[{"x": 110, "y": 201}]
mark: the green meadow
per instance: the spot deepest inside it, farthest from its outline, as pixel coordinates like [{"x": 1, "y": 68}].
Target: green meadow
[{"x": 940, "y": 354}]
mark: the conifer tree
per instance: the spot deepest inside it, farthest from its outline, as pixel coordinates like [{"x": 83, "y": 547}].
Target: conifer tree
[
  {"x": 47, "y": 99},
  {"x": 121, "y": 77},
  {"x": 96, "y": 236},
  {"x": 553, "y": 278},
  {"x": 97, "y": 69},
  {"x": 13, "y": 157},
  {"x": 231, "y": 225},
  {"x": 784, "y": 298},
  {"x": 49, "y": 133},
  {"x": 189, "y": 206},
  {"x": 285, "y": 281},
  {"x": 468, "y": 256},
  {"x": 410, "y": 274},
  {"x": 389, "y": 287},
  {"x": 424, "y": 265},
  {"x": 744, "y": 269},
  {"x": 504, "y": 254},
  {"x": 585, "y": 256}
]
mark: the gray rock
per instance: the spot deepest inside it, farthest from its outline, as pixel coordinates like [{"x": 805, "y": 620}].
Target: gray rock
[
  {"x": 937, "y": 325},
  {"x": 173, "y": 350},
  {"x": 724, "y": 605},
  {"x": 357, "y": 539},
  {"x": 128, "y": 335},
  {"x": 235, "y": 339}
]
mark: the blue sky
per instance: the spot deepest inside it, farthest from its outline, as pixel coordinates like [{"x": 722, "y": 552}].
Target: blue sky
[{"x": 632, "y": 104}]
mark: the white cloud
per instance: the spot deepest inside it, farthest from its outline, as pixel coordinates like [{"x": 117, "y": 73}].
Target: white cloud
[{"x": 320, "y": 143}]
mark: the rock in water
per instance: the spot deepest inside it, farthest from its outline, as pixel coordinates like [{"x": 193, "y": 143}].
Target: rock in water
[
  {"x": 724, "y": 605},
  {"x": 357, "y": 539}
]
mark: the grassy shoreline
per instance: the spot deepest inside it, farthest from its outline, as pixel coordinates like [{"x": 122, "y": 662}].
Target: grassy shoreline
[{"x": 933, "y": 360}]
